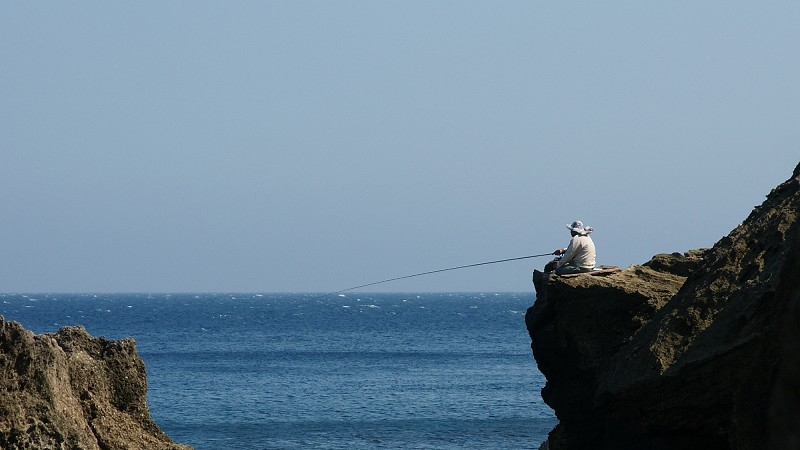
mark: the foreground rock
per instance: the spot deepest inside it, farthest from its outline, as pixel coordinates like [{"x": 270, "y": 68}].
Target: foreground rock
[
  {"x": 695, "y": 350},
  {"x": 70, "y": 390}
]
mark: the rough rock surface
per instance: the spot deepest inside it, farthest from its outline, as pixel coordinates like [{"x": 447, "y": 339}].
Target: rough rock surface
[
  {"x": 69, "y": 390},
  {"x": 693, "y": 350}
]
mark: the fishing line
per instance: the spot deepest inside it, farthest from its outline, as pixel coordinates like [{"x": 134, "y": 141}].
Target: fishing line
[{"x": 433, "y": 271}]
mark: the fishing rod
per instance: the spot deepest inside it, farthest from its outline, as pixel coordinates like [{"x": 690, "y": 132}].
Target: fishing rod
[{"x": 432, "y": 271}]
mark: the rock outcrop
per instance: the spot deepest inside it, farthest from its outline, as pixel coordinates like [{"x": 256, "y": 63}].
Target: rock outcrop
[
  {"x": 69, "y": 390},
  {"x": 692, "y": 350}
]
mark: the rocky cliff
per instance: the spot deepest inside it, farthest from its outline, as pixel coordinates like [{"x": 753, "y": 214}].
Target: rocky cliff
[
  {"x": 70, "y": 390},
  {"x": 690, "y": 350}
]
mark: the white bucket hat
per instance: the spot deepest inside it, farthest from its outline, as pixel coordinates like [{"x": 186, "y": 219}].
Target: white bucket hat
[{"x": 578, "y": 227}]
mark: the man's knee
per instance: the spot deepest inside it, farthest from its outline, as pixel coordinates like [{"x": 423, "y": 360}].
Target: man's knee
[{"x": 569, "y": 269}]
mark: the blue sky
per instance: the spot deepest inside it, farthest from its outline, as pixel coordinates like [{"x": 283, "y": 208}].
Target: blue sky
[{"x": 313, "y": 146}]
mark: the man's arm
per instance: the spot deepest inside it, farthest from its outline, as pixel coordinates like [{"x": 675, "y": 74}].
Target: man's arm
[{"x": 569, "y": 254}]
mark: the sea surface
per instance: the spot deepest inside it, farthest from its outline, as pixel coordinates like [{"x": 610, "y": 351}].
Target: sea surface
[{"x": 291, "y": 371}]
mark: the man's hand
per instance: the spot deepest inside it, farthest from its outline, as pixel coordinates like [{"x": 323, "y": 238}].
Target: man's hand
[{"x": 560, "y": 251}]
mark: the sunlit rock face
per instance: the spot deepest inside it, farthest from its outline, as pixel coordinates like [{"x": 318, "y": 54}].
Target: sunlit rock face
[{"x": 69, "y": 390}]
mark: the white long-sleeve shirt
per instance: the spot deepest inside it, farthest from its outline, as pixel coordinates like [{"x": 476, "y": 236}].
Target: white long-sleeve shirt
[{"x": 580, "y": 252}]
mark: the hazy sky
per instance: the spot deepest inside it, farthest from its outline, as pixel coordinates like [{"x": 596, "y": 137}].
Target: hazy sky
[{"x": 187, "y": 146}]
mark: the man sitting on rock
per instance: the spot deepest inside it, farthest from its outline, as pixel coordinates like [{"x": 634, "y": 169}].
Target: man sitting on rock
[{"x": 579, "y": 256}]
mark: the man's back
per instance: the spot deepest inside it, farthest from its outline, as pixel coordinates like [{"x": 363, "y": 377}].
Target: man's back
[{"x": 580, "y": 252}]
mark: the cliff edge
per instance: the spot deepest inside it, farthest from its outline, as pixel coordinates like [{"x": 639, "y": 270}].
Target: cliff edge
[
  {"x": 69, "y": 390},
  {"x": 689, "y": 350}
]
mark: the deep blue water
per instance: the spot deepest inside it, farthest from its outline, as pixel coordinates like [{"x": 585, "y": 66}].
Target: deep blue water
[{"x": 271, "y": 371}]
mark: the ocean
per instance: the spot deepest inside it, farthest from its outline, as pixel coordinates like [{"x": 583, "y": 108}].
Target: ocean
[{"x": 291, "y": 371}]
